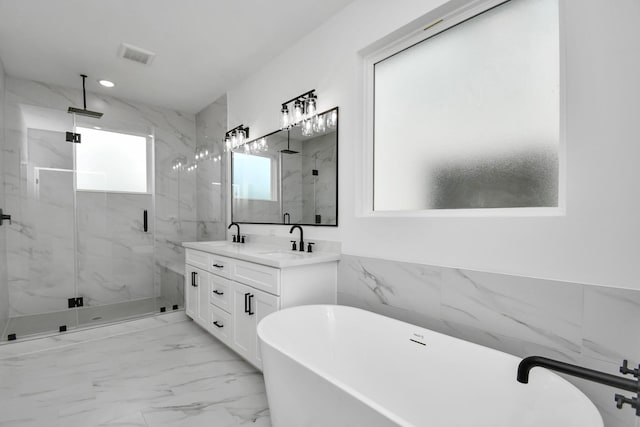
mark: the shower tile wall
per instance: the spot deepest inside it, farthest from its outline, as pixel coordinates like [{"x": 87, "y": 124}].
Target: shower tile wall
[
  {"x": 320, "y": 154},
  {"x": 211, "y": 125},
  {"x": 292, "y": 196},
  {"x": 115, "y": 254},
  {"x": 41, "y": 276},
  {"x": 588, "y": 325},
  {"x": 175, "y": 219},
  {"x": 4, "y": 288}
]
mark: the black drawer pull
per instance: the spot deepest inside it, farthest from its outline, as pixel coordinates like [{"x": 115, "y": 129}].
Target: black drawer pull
[
  {"x": 246, "y": 296},
  {"x": 194, "y": 282},
  {"x": 145, "y": 221},
  {"x": 218, "y": 324},
  {"x": 251, "y": 313},
  {"x": 217, "y": 292},
  {"x": 218, "y": 266}
]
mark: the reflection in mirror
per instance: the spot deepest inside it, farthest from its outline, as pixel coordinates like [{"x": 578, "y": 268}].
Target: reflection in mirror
[{"x": 288, "y": 176}]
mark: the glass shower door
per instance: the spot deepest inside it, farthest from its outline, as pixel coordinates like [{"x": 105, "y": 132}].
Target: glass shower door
[{"x": 115, "y": 209}]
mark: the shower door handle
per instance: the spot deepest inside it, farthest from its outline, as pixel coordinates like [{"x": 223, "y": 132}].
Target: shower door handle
[
  {"x": 145, "y": 221},
  {"x": 4, "y": 217}
]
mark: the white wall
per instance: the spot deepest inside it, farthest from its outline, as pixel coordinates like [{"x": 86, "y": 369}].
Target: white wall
[{"x": 597, "y": 241}]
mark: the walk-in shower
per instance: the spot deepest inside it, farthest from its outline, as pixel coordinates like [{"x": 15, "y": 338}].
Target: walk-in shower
[{"x": 81, "y": 249}]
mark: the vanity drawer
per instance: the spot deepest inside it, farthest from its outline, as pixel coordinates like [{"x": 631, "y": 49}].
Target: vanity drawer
[
  {"x": 220, "y": 324},
  {"x": 259, "y": 276},
  {"x": 220, "y": 265},
  {"x": 197, "y": 259},
  {"x": 220, "y": 292}
]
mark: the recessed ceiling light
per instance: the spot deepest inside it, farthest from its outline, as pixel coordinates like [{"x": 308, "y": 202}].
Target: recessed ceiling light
[
  {"x": 106, "y": 83},
  {"x": 97, "y": 127}
]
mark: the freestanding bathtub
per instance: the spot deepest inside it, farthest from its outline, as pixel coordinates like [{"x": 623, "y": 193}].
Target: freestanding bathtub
[{"x": 331, "y": 366}]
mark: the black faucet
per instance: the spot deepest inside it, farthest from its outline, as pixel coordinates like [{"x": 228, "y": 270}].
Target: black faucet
[
  {"x": 286, "y": 218},
  {"x": 588, "y": 374},
  {"x": 236, "y": 238},
  {"x": 301, "y": 247}
]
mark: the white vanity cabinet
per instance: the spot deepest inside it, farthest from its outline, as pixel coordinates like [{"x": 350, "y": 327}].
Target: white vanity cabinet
[{"x": 228, "y": 296}]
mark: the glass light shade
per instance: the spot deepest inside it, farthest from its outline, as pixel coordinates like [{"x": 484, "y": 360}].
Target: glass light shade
[
  {"x": 227, "y": 143},
  {"x": 241, "y": 136},
  {"x": 298, "y": 111},
  {"x": 310, "y": 106},
  {"x": 234, "y": 139},
  {"x": 284, "y": 117}
]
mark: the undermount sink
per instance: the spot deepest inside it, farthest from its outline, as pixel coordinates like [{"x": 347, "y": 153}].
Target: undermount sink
[{"x": 280, "y": 254}]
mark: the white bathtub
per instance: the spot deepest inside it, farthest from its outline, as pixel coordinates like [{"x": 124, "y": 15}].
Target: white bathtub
[{"x": 331, "y": 366}]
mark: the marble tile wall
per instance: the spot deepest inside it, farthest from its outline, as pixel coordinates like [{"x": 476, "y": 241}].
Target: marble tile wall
[
  {"x": 115, "y": 254},
  {"x": 211, "y": 182},
  {"x": 291, "y": 171},
  {"x": 175, "y": 196},
  {"x": 593, "y": 326},
  {"x": 4, "y": 287},
  {"x": 319, "y": 192}
]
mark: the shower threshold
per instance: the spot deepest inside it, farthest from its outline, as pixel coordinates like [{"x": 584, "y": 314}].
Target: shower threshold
[{"x": 48, "y": 324}]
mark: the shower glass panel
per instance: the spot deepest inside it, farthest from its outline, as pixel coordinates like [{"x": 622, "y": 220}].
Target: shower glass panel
[{"x": 39, "y": 181}]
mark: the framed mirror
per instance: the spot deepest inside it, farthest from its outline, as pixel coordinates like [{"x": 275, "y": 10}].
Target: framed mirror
[{"x": 289, "y": 176}]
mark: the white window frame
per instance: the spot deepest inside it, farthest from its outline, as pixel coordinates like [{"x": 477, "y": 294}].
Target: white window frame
[{"x": 414, "y": 35}]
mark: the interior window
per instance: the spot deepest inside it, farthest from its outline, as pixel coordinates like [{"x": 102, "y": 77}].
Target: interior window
[{"x": 111, "y": 161}]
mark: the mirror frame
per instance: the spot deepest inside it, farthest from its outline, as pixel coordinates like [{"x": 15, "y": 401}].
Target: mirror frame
[{"x": 230, "y": 189}]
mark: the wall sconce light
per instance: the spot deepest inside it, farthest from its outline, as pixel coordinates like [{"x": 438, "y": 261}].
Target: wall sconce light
[
  {"x": 304, "y": 107},
  {"x": 235, "y": 137}
]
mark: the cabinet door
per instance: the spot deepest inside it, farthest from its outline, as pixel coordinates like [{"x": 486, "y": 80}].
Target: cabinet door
[
  {"x": 203, "y": 297},
  {"x": 244, "y": 324},
  {"x": 191, "y": 291},
  {"x": 249, "y": 307},
  {"x": 264, "y": 304}
]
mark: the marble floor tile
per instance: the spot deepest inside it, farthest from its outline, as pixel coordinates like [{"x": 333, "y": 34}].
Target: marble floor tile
[{"x": 162, "y": 372}]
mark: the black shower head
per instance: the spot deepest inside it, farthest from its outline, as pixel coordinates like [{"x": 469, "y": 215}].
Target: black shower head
[{"x": 84, "y": 111}]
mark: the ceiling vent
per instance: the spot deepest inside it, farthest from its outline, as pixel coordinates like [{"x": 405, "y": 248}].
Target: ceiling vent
[{"x": 136, "y": 54}]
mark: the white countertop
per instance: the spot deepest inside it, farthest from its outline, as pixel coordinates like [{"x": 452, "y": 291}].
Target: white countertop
[{"x": 273, "y": 256}]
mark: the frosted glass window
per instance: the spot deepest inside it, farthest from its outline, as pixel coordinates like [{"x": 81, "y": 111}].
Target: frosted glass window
[
  {"x": 110, "y": 161},
  {"x": 469, "y": 118},
  {"x": 252, "y": 177}
]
